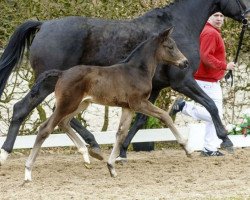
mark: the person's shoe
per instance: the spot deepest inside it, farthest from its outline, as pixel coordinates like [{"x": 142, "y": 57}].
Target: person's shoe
[
  {"x": 95, "y": 152},
  {"x": 176, "y": 107},
  {"x": 207, "y": 153}
]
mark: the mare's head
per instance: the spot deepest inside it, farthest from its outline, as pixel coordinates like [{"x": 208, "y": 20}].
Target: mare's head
[
  {"x": 167, "y": 51},
  {"x": 231, "y": 8}
]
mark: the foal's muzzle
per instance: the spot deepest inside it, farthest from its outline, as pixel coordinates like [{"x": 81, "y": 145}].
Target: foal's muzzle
[{"x": 184, "y": 64}]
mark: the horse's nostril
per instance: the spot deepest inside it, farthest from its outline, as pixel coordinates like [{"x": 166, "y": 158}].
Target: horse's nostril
[{"x": 184, "y": 64}]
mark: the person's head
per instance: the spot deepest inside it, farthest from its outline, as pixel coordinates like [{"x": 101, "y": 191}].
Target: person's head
[{"x": 216, "y": 20}]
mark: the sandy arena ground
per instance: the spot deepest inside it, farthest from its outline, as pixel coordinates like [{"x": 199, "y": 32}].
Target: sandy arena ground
[{"x": 162, "y": 174}]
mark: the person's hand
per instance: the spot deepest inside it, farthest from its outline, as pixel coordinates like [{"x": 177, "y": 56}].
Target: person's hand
[{"x": 231, "y": 65}]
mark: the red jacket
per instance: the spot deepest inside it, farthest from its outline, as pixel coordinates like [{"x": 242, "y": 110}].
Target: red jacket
[{"x": 212, "y": 55}]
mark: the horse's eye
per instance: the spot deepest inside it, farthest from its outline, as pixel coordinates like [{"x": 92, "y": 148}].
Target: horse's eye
[{"x": 170, "y": 47}]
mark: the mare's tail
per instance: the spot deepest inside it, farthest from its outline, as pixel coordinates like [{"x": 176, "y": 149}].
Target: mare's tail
[
  {"x": 13, "y": 53},
  {"x": 48, "y": 80}
]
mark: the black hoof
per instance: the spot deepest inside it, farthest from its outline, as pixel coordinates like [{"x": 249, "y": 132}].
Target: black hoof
[
  {"x": 123, "y": 153},
  {"x": 227, "y": 145},
  {"x": 95, "y": 152}
]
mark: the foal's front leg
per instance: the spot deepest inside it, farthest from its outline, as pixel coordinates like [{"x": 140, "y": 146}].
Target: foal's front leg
[
  {"x": 125, "y": 121},
  {"x": 138, "y": 123},
  {"x": 148, "y": 108}
]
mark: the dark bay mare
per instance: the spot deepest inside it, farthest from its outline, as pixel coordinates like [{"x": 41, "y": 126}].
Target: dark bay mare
[
  {"x": 63, "y": 43},
  {"x": 131, "y": 83}
]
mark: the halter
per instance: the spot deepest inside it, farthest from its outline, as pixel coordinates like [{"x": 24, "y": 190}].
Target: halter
[
  {"x": 243, "y": 29},
  {"x": 243, "y": 12}
]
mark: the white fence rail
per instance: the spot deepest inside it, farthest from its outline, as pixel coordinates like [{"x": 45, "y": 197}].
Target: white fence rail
[{"x": 194, "y": 132}]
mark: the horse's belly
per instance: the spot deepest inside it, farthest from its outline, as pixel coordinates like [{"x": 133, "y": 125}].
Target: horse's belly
[{"x": 105, "y": 98}]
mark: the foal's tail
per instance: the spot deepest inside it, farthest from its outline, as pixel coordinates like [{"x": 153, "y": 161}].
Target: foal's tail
[
  {"x": 13, "y": 53},
  {"x": 47, "y": 79}
]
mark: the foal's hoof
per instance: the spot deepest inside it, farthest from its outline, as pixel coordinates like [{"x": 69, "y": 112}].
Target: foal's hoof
[
  {"x": 188, "y": 150},
  {"x": 25, "y": 182},
  {"x": 111, "y": 170},
  {"x": 228, "y": 146},
  {"x": 27, "y": 175},
  {"x": 95, "y": 152},
  {"x": 87, "y": 166},
  {"x": 189, "y": 155},
  {"x": 121, "y": 160}
]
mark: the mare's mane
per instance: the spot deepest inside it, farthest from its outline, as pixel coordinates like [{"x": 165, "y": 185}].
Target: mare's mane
[{"x": 162, "y": 11}]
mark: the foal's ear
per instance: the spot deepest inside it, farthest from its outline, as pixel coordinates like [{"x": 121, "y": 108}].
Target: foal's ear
[{"x": 166, "y": 33}]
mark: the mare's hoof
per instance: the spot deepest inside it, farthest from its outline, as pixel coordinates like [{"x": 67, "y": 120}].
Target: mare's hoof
[
  {"x": 95, "y": 152},
  {"x": 228, "y": 146},
  {"x": 121, "y": 160},
  {"x": 189, "y": 155},
  {"x": 3, "y": 156},
  {"x": 229, "y": 149}
]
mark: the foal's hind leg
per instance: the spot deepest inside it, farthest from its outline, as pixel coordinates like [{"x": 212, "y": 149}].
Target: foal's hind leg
[
  {"x": 65, "y": 125},
  {"x": 45, "y": 129},
  {"x": 23, "y": 108},
  {"x": 125, "y": 121},
  {"x": 81, "y": 146},
  {"x": 148, "y": 108}
]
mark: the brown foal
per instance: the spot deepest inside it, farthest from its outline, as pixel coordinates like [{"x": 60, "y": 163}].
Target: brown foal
[{"x": 127, "y": 85}]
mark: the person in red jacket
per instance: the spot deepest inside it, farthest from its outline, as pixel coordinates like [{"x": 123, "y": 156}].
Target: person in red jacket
[{"x": 211, "y": 70}]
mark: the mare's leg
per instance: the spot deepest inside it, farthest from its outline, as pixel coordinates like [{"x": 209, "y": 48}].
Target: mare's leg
[
  {"x": 148, "y": 108},
  {"x": 94, "y": 149},
  {"x": 20, "y": 111},
  {"x": 125, "y": 121},
  {"x": 139, "y": 122},
  {"x": 191, "y": 89},
  {"x": 45, "y": 129}
]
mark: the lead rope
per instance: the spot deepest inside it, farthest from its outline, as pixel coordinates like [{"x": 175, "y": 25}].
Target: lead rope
[{"x": 243, "y": 29}]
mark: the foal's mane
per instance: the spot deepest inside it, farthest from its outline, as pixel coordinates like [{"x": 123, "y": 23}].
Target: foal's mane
[{"x": 138, "y": 48}]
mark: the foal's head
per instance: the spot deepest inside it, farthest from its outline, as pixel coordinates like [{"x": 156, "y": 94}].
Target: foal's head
[{"x": 168, "y": 52}]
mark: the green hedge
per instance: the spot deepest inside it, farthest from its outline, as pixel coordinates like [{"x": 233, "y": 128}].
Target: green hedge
[{"x": 15, "y": 12}]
